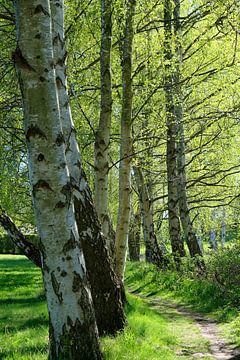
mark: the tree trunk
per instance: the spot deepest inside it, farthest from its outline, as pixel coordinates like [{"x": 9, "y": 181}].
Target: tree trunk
[
  {"x": 17, "y": 237},
  {"x": 189, "y": 233},
  {"x": 213, "y": 240},
  {"x": 134, "y": 237},
  {"x": 102, "y": 136},
  {"x": 73, "y": 329},
  {"x": 173, "y": 216},
  {"x": 153, "y": 252},
  {"x": 105, "y": 287},
  {"x": 126, "y": 144}
]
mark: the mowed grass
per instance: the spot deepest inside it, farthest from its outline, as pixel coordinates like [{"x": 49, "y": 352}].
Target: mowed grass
[
  {"x": 23, "y": 311},
  {"x": 152, "y": 333}
]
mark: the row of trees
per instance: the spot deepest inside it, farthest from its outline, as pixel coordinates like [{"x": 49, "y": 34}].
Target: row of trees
[{"x": 155, "y": 103}]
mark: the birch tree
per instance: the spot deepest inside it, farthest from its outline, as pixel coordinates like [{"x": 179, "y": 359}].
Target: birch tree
[
  {"x": 123, "y": 219},
  {"x": 102, "y": 136},
  {"x": 173, "y": 211},
  {"x": 153, "y": 253},
  {"x": 187, "y": 226},
  {"x": 73, "y": 329},
  {"x": 106, "y": 289}
]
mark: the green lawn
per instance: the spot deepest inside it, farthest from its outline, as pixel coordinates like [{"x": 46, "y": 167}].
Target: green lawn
[{"x": 151, "y": 334}]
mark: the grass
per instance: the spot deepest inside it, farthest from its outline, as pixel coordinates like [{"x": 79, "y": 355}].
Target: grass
[{"x": 153, "y": 333}]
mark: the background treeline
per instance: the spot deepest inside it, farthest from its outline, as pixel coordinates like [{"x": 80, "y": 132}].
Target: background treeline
[{"x": 184, "y": 121}]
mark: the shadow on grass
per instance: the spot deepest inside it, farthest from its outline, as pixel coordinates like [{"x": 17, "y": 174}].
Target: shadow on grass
[{"x": 23, "y": 301}]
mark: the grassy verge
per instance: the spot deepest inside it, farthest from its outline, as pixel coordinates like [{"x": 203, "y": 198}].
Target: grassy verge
[
  {"x": 203, "y": 294},
  {"x": 152, "y": 334}
]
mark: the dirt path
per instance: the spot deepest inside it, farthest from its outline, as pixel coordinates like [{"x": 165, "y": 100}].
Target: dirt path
[{"x": 218, "y": 347}]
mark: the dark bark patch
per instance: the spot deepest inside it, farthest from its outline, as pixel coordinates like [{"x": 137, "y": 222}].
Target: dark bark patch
[
  {"x": 20, "y": 61},
  {"x": 56, "y": 287},
  {"x": 39, "y": 9},
  {"x": 59, "y": 82},
  {"x": 61, "y": 61},
  {"x": 77, "y": 282},
  {"x": 63, "y": 273},
  {"x": 67, "y": 191},
  {"x": 35, "y": 131},
  {"x": 70, "y": 244},
  {"x": 60, "y": 205},
  {"x": 40, "y": 157},
  {"x": 42, "y": 79},
  {"x": 41, "y": 185},
  {"x": 60, "y": 139},
  {"x": 38, "y": 36}
]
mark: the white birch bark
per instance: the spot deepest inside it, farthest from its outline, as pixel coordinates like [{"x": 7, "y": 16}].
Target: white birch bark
[
  {"x": 123, "y": 219},
  {"x": 106, "y": 290},
  {"x": 102, "y": 136},
  {"x": 72, "y": 323}
]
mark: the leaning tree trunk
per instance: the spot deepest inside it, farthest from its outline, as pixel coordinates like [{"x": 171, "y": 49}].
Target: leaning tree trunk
[
  {"x": 153, "y": 252},
  {"x": 73, "y": 329},
  {"x": 105, "y": 287},
  {"x": 102, "y": 136},
  {"x": 18, "y": 239},
  {"x": 173, "y": 216},
  {"x": 126, "y": 144}
]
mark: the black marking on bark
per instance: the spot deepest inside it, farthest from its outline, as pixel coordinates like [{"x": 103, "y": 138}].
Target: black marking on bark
[
  {"x": 67, "y": 191},
  {"x": 39, "y": 9},
  {"x": 60, "y": 205},
  {"x": 60, "y": 139},
  {"x": 35, "y": 131},
  {"x": 77, "y": 282},
  {"x": 46, "y": 70},
  {"x": 56, "y": 287},
  {"x": 42, "y": 79},
  {"x": 58, "y": 269},
  {"x": 59, "y": 82},
  {"x": 68, "y": 258},
  {"x": 20, "y": 61},
  {"x": 70, "y": 244},
  {"x": 41, "y": 185},
  {"x": 78, "y": 164},
  {"x": 57, "y": 39},
  {"x": 63, "y": 273},
  {"x": 38, "y": 36},
  {"x": 62, "y": 165},
  {"x": 40, "y": 157},
  {"x": 61, "y": 61}
]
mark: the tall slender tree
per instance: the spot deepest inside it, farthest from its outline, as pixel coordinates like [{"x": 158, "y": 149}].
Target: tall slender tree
[
  {"x": 73, "y": 328},
  {"x": 187, "y": 226},
  {"x": 106, "y": 289},
  {"x": 173, "y": 210},
  {"x": 102, "y": 135},
  {"x": 123, "y": 219}
]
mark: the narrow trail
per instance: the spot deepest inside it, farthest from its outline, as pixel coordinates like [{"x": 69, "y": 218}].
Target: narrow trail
[{"x": 218, "y": 347}]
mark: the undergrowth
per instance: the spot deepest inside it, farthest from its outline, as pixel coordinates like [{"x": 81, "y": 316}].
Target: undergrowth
[{"x": 216, "y": 291}]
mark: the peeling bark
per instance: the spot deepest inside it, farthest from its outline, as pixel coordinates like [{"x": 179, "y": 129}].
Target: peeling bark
[{"x": 126, "y": 144}]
